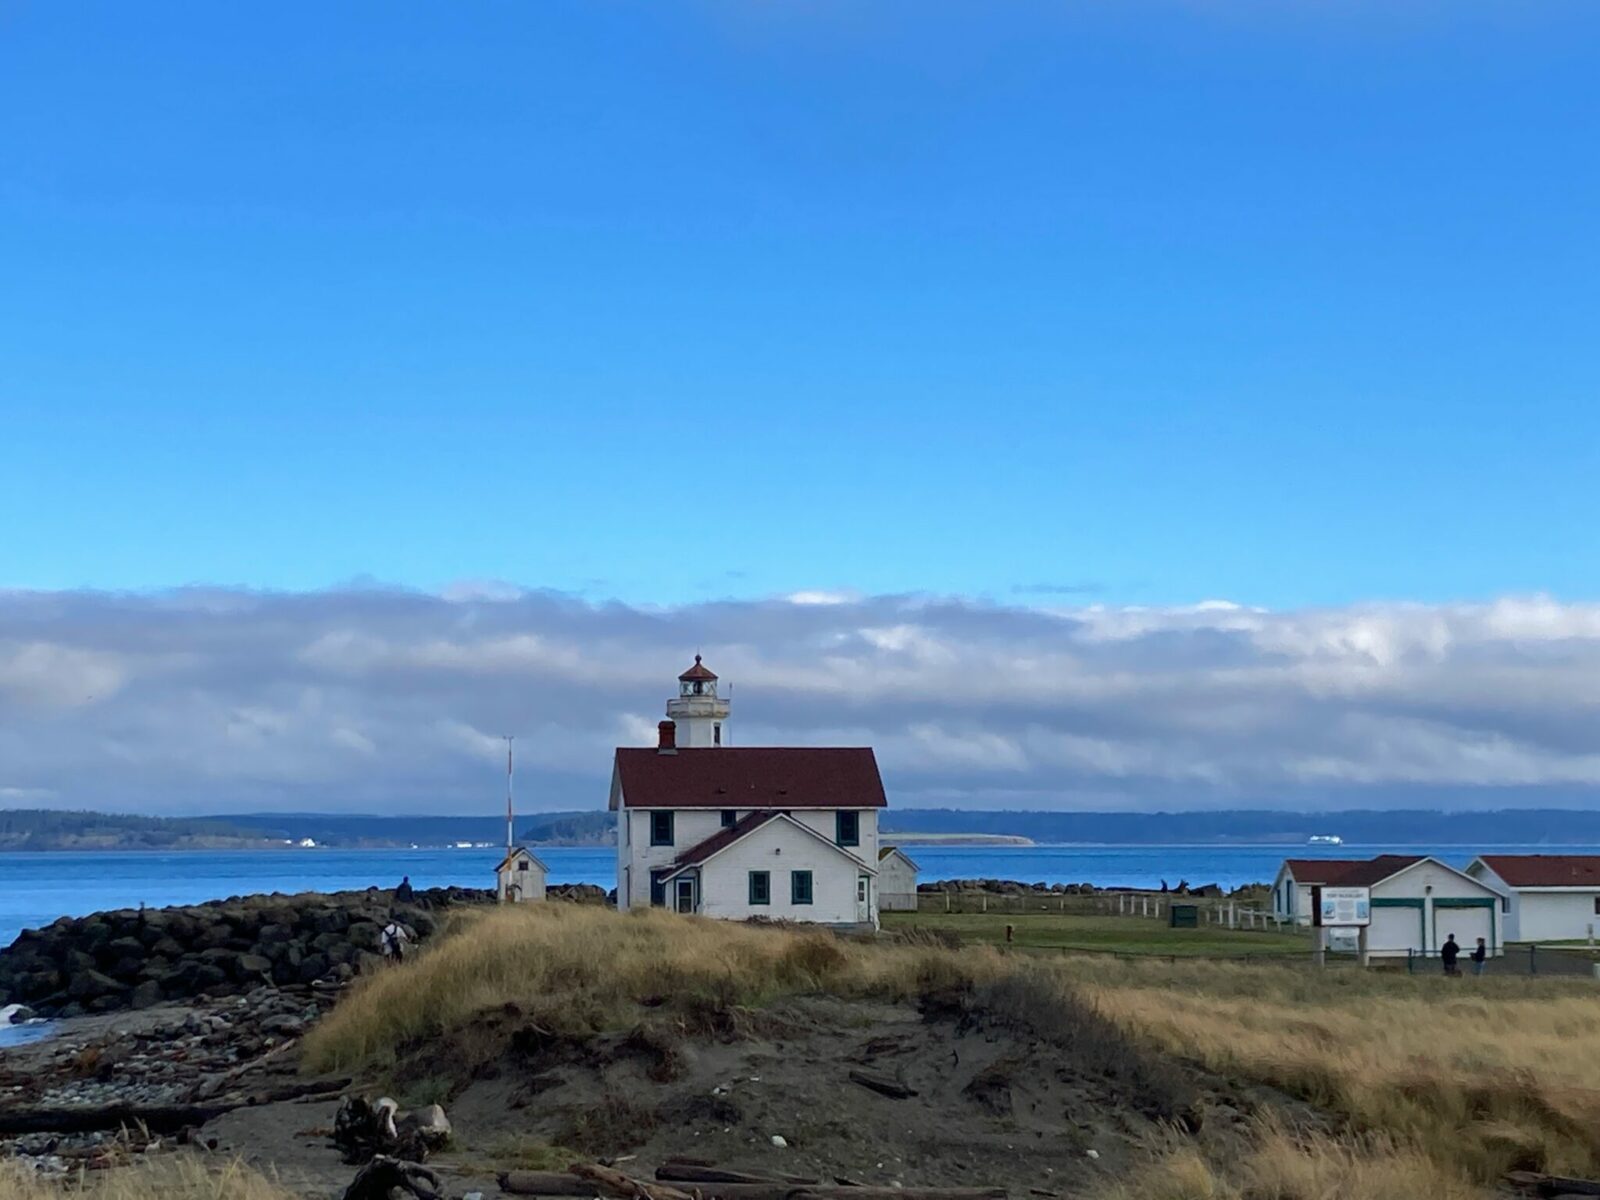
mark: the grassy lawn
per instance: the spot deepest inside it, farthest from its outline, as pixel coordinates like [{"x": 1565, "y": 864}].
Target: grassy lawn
[{"x": 1123, "y": 935}]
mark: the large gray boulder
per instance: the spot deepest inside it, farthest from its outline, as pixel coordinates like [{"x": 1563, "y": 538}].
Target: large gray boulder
[
  {"x": 90, "y": 985},
  {"x": 145, "y": 994}
]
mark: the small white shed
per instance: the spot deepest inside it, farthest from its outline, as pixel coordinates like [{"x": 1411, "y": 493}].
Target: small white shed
[
  {"x": 519, "y": 877},
  {"x": 897, "y": 880},
  {"x": 1549, "y": 897}
]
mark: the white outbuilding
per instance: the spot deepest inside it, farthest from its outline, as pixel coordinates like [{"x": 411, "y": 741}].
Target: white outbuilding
[
  {"x": 1549, "y": 897},
  {"x": 1291, "y": 891},
  {"x": 1418, "y": 902},
  {"x": 897, "y": 880},
  {"x": 520, "y": 877}
]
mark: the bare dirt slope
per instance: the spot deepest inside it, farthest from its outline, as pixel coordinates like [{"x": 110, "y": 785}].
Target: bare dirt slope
[
  {"x": 1001, "y": 1084},
  {"x": 995, "y": 1098}
]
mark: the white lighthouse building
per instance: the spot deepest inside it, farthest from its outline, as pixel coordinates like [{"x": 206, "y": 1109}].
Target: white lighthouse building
[
  {"x": 781, "y": 833},
  {"x": 701, "y": 716}
]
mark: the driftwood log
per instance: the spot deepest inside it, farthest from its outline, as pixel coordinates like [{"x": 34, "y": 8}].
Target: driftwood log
[
  {"x": 608, "y": 1182},
  {"x": 687, "y": 1172},
  {"x": 376, "y": 1180},
  {"x": 1537, "y": 1184},
  {"x": 883, "y": 1085},
  {"x": 157, "y": 1118},
  {"x": 611, "y": 1182}
]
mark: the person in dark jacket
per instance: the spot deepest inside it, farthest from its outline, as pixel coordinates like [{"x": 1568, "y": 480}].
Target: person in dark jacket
[
  {"x": 403, "y": 892},
  {"x": 1480, "y": 954},
  {"x": 1448, "y": 953}
]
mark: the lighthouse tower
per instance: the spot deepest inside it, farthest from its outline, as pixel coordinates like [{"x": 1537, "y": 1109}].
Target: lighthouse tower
[{"x": 701, "y": 716}]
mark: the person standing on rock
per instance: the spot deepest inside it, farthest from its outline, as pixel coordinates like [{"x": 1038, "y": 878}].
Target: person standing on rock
[
  {"x": 395, "y": 940},
  {"x": 403, "y": 893}
]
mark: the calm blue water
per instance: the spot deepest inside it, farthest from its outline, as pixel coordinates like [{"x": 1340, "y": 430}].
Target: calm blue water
[{"x": 36, "y": 888}]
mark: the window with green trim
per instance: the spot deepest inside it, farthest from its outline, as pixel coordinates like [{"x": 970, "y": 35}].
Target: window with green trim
[
  {"x": 799, "y": 887},
  {"x": 847, "y": 828},
  {"x": 760, "y": 887}
]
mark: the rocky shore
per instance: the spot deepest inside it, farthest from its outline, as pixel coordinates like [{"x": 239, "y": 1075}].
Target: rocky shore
[
  {"x": 108, "y": 1088},
  {"x": 137, "y": 958}
]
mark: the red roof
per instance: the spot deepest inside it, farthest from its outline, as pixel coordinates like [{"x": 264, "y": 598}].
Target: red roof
[
  {"x": 751, "y": 777},
  {"x": 1374, "y": 870},
  {"x": 1319, "y": 870},
  {"x": 696, "y": 672},
  {"x": 723, "y": 838},
  {"x": 1546, "y": 870}
]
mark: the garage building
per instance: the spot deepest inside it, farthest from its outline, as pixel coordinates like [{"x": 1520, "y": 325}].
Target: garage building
[
  {"x": 1418, "y": 902},
  {"x": 1550, "y": 897}
]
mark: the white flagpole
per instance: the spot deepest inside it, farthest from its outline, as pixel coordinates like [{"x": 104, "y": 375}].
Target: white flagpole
[{"x": 510, "y": 836}]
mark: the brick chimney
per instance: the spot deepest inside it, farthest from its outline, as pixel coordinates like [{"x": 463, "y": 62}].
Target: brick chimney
[{"x": 667, "y": 738}]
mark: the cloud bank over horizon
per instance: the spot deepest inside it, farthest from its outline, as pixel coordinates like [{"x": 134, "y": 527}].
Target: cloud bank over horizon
[{"x": 390, "y": 701}]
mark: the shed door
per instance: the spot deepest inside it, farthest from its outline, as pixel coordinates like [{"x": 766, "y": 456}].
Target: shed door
[
  {"x": 1468, "y": 924},
  {"x": 1395, "y": 929}
]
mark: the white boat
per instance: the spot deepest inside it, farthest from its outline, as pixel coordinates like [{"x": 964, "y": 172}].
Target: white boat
[{"x": 1324, "y": 839}]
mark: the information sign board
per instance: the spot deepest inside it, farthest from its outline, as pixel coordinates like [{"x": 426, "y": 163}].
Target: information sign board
[{"x": 1344, "y": 906}]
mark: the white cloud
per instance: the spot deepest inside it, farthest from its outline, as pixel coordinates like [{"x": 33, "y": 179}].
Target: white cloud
[
  {"x": 37, "y": 673},
  {"x": 388, "y": 700},
  {"x": 821, "y": 597}
]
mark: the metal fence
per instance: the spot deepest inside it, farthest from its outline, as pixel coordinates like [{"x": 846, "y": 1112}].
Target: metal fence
[
  {"x": 1517, "y": 960},
  {"x": 1157, "y": 906}
]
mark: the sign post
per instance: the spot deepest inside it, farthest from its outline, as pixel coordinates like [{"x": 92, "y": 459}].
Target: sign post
[{"x": 1341, "y": 908}]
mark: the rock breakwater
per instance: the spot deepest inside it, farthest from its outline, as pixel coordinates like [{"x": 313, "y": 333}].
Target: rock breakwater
[{"x": 136, "y": 958}]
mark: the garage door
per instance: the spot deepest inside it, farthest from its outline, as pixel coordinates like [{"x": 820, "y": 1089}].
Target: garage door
[
  {"x": 1468, "y": 924},
  {"x": 1394, "y": 930}
]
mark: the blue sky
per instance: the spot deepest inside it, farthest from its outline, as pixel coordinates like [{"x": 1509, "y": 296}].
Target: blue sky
[{"x": 1289, "y": 304}]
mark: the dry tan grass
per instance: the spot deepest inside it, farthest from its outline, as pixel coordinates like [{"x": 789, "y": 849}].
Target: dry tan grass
[
  {"x": 174, "y": 1178},
  {"x": 576, "y": 969},
  {"x": 1444, "y": 1084},
  {"x": 1279, "y": 1167},
  {"x": 1481, "y": 1076}
]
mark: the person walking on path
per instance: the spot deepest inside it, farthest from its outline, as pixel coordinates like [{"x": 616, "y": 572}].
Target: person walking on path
[
  {"x": 1448, "y": 953},
  {"x": 395, "y": 940},
  {"x": 1480, "y": 953}
]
